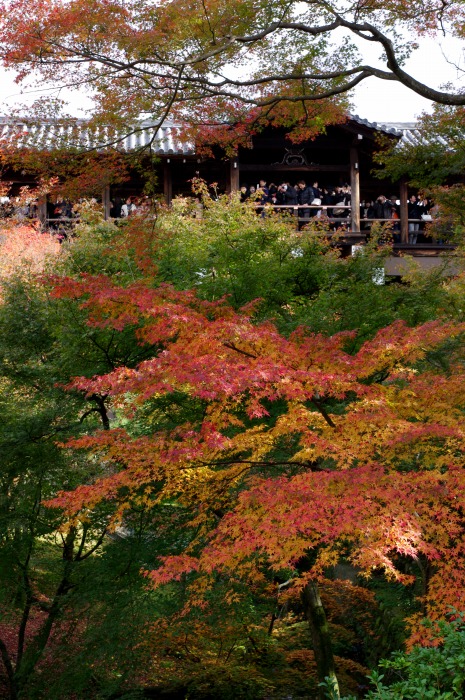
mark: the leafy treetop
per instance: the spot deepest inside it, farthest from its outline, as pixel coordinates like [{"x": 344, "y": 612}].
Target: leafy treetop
[
  {"x": 239, "y": 62},
  {"x": 292, "y": 445}
]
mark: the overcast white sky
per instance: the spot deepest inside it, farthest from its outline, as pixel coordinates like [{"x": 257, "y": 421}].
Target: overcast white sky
[
  {"x": 375, "y": 100},
  {"x": 434, "y": 64}
]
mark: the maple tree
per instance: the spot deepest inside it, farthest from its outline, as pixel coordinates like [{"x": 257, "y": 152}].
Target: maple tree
[
  {"x": 224, "y": 441},
  {"x": 291, "y": 63},
  {"x": 363, "y": 464},
  {"x": 26, "y": 246}
]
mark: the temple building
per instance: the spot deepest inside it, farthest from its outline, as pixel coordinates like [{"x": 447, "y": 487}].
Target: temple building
[{"x": 343, "y": 154}]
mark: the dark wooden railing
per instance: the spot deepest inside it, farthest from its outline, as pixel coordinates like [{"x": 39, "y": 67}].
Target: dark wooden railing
[
  {"x": 303, "y": 215},
  {"x": 295, "y": 210}
]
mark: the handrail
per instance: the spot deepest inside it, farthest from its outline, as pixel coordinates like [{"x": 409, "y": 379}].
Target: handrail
[{"x": 319, "y": 207}]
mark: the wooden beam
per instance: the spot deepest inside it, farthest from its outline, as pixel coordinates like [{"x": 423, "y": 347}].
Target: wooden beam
[
  {"x": 106, "y": 202},
  {"x": 233, "y": 185},
  {"x": 167, "y": 181},
  {"x": 355, "y": 189},
  {"x": 403, "y": 211},
  {"x": 280, "y": 167},
  {"x": 42, "y": 209}
]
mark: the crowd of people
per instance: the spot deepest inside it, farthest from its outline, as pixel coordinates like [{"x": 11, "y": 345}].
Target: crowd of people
[
  {"x": 59, "y": 209},
  {"x": 384, "y": 209},
  {"x": 301, "y": 194},
  {"x": 14, "y": 207},
  {"x": 335, "y": 202},
  {"x": 63, "y": 209},
  {"x": 120, "y": 209},
  {"x": 306, "y": 200}
]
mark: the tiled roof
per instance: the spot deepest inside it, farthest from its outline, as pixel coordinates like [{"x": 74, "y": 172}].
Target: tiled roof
[
  {"x": 75, "y": 134},
  {"x": 168, "y": 140},
  {"x": 408, "y": 132},
  {"x": 387, "y": 128},
  {"x": 413, "y": 136}
]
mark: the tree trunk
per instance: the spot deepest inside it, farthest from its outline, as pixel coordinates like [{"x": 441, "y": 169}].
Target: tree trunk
[
  {"x": 10, "y": 672},
  {"x": 322, "y": 648},
  {"x": 27, "y": 665}
]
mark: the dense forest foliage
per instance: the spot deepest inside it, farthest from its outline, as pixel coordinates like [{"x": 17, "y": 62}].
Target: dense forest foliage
[{"x": 232, "y": 463}]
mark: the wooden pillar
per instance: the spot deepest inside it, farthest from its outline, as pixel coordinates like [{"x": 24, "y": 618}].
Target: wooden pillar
[
  {"x": 403, "y": 211},
  {"x": 106, "y": 202},
  {"x": 355, "y": 190},
  {"x": 167, "y": 181},
  {"x": 42, "y": 210},
  {"x": 233, "y": 185}
]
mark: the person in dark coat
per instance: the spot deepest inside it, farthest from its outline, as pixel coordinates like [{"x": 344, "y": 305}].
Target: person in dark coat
[
  {"x": 415, "y": 210},
  {"x": 327, "y": 198},
  {"x": 286, "y": 195},
  {"x": 341, "y": 198},
  {"x": 272, "y": 190},
  {"x": 317, "y": 194},
  {"x": 245, "y": 194},
  {"x": 382, "y": 209},
  {"x": 305, "y": 195},
  {"x": 290, "y": 195},
  {"x": 115, "y": 211}
]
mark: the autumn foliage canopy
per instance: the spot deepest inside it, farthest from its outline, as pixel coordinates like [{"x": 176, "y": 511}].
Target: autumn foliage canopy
[
  {"x": 304, "y": 448},
  {"x": 238, "y": 63},
  {"x": 176, "y": 447}
]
